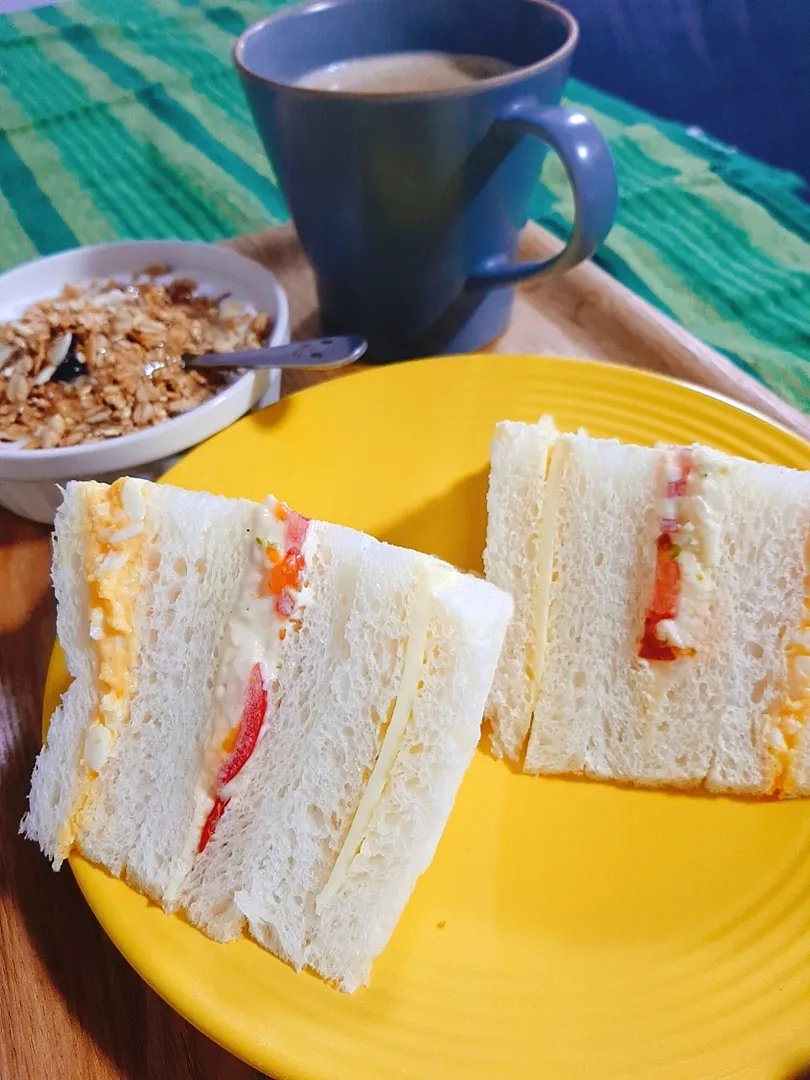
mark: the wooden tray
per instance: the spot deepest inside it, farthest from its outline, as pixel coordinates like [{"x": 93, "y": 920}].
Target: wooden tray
[{"x": 584, "y": 313}]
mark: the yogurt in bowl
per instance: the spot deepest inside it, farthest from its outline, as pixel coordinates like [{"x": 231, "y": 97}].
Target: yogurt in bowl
[{"x": 32, "y": 469}]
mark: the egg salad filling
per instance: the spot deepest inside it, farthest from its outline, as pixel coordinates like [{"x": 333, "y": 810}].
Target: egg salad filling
[
  {"x": 272, "y": 595},
  {"x": 792, "y": 711},
  {"x": 115, "y": 541},
  {"x": 689, "y": 512},
  {"x": 116, "y": 536}
]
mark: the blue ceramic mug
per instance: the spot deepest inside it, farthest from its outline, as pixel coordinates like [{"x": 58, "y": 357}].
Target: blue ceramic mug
[{"x": 409, "y": 205}]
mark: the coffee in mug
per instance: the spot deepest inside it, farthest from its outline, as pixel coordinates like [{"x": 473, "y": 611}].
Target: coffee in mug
[{"x": 405, "y": 73}]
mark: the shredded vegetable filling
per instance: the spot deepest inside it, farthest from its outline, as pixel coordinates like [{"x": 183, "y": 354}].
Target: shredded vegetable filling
[
  {"x": 271, "y": 595},
  {"x": 690, "y": 506},
  {"x": 660, "y": 640}
]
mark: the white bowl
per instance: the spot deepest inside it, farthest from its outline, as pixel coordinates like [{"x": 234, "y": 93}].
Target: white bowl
[{"x": 30, "y": 479}]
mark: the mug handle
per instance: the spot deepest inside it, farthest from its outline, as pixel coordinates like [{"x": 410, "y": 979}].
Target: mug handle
[{"x": 585, "y": 155}]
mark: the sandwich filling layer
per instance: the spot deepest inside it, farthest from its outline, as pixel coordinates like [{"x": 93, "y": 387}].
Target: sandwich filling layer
[
  {"x": 116, "y": 541},
  {"x": 688, "y": 523},
  {"x": 791, "y": 712},
  {"x": 271, "y": 599},
  {"x": 116, "y": 537},
  {"x": 544, "y": 573}
]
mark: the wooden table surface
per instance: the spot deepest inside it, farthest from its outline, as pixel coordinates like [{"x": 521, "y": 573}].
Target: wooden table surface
[{"x": 70, "y": 1005}]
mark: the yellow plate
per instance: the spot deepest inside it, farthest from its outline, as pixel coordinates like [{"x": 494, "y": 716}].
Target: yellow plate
[{"x": 565, "y": 929}]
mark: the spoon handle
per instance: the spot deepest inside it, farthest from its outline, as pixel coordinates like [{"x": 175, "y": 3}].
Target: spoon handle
[{"x": 322, "y": 353}]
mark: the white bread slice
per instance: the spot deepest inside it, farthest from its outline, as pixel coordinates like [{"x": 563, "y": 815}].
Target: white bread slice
[
  {"x": 515, "y": 516},
  {"x": 766, "y": 590},
  {"x": 588, "y": 712},
  {"x": 258, "y": 834},
  {"x": 57, "y": 779},
  {"x": 296, "y": 799},
  {"x": 465, "y": 633},
  {"x": 629, "y": 719}
]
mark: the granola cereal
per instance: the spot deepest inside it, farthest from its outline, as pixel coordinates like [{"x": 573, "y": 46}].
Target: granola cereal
[{"x": 106, "y": 359}]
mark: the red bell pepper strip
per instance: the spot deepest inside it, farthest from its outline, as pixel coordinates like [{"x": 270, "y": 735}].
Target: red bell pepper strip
[
  {"x": 249, "y": 727},
  {"x": 217, "y": 810},
  {"x": 297, "y": 526},
  {"x": 664, "y": 602},
  {"x": 667, "y": 587}
]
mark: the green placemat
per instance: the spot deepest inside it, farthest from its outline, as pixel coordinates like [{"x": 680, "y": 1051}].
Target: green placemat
[{"x": 124, "y": 118}]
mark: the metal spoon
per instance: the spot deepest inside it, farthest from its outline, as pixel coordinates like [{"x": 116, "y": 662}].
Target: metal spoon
[{"x": 321, "y": 353}]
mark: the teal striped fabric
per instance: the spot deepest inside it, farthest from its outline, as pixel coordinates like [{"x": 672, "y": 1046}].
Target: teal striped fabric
[{"x": 124, "y": 118}]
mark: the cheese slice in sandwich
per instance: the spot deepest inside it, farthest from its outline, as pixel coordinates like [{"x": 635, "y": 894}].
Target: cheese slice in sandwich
[
  {"x": 298, "y": 704},
  {"x": 665, "y": 617}
]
